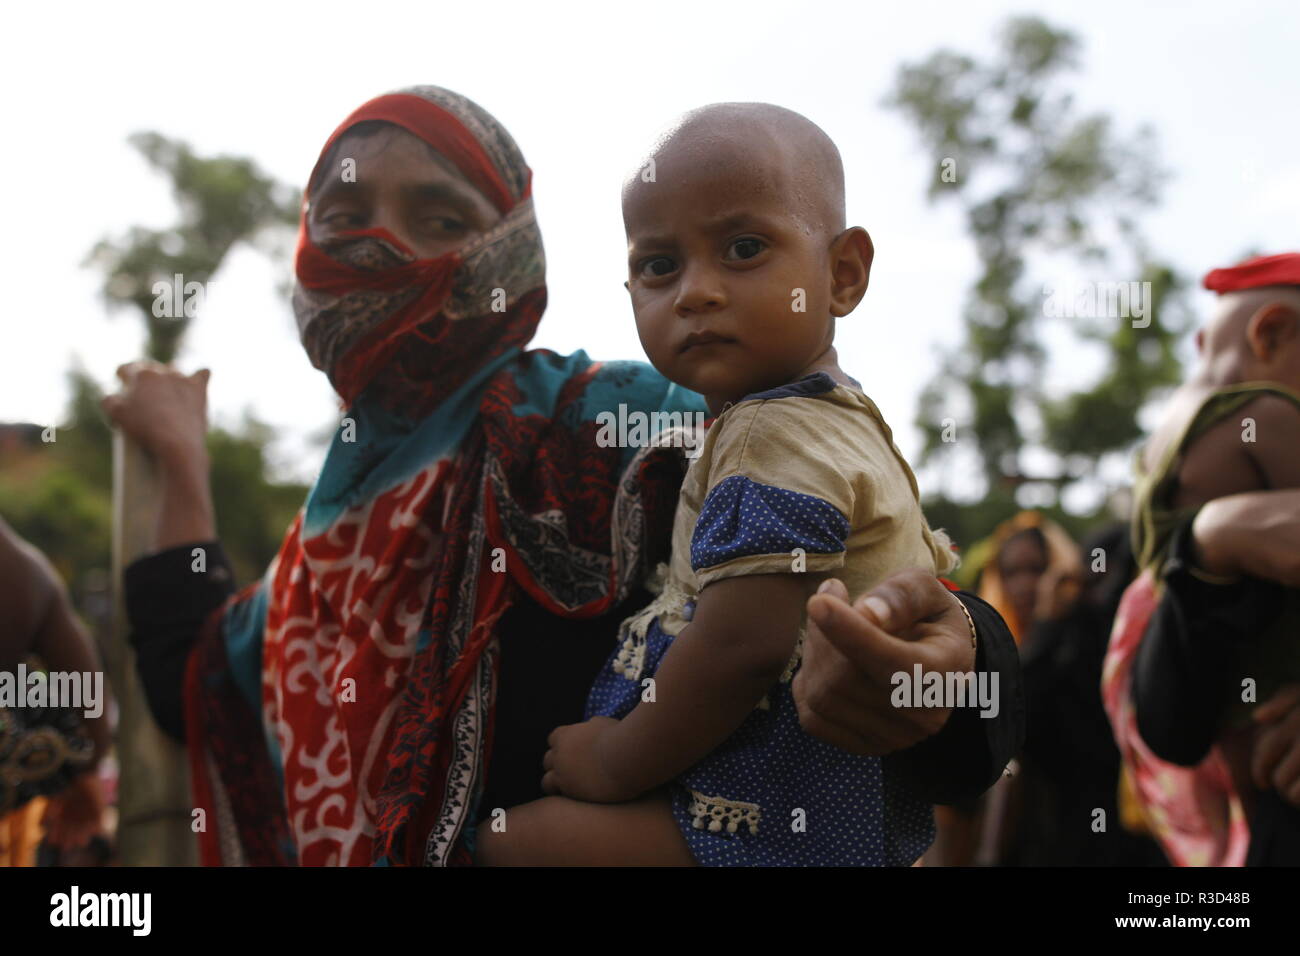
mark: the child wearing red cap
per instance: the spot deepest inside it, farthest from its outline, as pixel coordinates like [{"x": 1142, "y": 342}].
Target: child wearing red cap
[{"x": 1233, "y": 427}]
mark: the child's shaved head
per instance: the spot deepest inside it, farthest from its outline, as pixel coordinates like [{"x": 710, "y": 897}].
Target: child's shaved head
[
  {"x": 1226, "y": 332},
  {"x": 1254, "y": 334},
  {"x": 739, "y": 261},
  {"x": 774, "y": 148}
]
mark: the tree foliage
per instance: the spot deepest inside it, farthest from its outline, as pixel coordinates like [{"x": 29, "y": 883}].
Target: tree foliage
[
  {"x": 1040, "y": 183},
  {"x": 58, "y": 494},
  {"x": 221, "y": 200}
]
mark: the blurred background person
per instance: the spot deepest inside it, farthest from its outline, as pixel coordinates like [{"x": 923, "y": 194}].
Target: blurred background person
[
  {"x": 1030, "y": 572},
  {"x": 1064, "y": 807},
  {"x": 49, "y": 755}
]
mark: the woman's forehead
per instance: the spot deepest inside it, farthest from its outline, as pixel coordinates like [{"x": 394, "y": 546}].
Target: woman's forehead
[
  {"x": 470, "y": 139},
  {"x": 402, "y": 155},
  {"x": 1021, "y": 548},
  {"x": 389, "y": 139}
]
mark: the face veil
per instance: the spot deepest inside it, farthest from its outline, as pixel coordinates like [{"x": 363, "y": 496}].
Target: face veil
[{"x": 407, "y": 331}]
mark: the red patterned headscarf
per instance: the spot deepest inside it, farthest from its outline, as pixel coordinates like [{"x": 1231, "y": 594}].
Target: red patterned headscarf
[
  {"x": 365, "y": 303},
  {"x": 341, "y": 711}
]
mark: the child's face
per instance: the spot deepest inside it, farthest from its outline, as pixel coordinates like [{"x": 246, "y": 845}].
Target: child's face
[{"x": 730, "y": 286}]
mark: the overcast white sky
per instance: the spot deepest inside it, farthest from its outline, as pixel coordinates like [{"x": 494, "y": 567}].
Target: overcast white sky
[{"x": 583, "y": 88}]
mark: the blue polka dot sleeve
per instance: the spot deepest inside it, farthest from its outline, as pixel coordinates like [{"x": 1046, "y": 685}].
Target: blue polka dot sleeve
[{"x": 742, "y": 518}]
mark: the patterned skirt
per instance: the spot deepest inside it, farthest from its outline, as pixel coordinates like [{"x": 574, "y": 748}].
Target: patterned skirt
[
  {"x": 771, "y": 794},
  {"x": 41, "y": 750}
]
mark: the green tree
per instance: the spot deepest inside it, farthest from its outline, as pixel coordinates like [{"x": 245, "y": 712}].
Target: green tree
[
  {"x": 58, "y": 494},
  {"x": 253, "y": 510},
  {"x": 1040, "y": 184},
  {"x": 222, "y": 200}
]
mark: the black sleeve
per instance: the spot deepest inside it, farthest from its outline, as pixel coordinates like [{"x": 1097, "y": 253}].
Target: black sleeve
[
  {"x": 167, "y": 602},
  {"x": 1183, "y": 661},
  {"x": 968, "y": 755}
]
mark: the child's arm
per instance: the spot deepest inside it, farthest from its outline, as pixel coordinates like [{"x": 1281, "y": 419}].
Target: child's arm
[
  {"x": 739, "y": 641},
  {"x": 1276, "y": 448},
  {"x": 1253, "y": 449},
  {"x": 1233, "y": 459}
]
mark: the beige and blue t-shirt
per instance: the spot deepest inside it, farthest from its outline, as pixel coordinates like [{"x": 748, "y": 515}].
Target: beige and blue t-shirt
[
  {"x": 804, "y": 478},
  {"x": 807, "y": 478}
]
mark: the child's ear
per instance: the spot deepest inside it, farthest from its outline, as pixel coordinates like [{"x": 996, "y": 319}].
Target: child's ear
[
  {"x": 851, "y": 254},
  {"x": 1270, "y": 328}
]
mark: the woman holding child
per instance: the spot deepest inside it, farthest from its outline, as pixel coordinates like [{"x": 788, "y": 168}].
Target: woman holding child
[{"x": 456, "y": 578}]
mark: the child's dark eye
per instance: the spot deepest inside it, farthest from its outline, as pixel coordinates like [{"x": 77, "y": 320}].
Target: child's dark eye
[
  {"x": 657, "y": 267},
  {"x": 745, "y": 248}
]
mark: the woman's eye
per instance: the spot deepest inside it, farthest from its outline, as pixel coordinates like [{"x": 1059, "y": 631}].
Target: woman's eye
[
  {"x": 340, "y": 220},
  {"x": 657, "y": 267},
  {"x": 445, "y": 224},
  {"x": 745, "y": 248}
]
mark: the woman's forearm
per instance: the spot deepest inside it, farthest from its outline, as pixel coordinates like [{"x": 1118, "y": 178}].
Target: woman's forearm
[
  {"x": 167, "y": 604},
  {"x": 186, "y": 513},
  {"x": 967, "y": 756},
  {"x": 1256, "y": 534}
]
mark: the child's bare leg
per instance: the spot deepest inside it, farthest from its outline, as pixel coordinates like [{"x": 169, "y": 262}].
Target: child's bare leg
[{"x": 559, "y": 831}]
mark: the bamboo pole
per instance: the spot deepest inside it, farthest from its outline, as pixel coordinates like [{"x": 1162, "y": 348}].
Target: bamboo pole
[{"x": 154, "y": 805}]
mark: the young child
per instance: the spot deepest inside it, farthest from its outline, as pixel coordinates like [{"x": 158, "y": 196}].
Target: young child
[
  {"x": 1233, "y": 427},
  {"x": 739, "y": 265}
]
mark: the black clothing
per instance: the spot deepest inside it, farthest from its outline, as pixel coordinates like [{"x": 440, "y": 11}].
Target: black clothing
[
  {"x": 1181, "y": 674},
  {"x": 1182, "y": 668},
  {"x": 547, "y": 665},
  {"x": 1071, "y": 764}
]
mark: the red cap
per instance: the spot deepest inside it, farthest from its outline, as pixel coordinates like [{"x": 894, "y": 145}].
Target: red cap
[{"x": 1283, "y": 269}]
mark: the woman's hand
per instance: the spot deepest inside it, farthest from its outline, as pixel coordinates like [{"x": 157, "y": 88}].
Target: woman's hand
[
  {"x": 574, "y": 764},
  {"x": 1257, "y": 534},
  {"x": 844, "y": 685},
  {"x": 1058, "y": 590},
  {"x": 1275, "y": 758},
  {"x": 75, "y": 815},
  {"x": 164, "y": 411},
  {"x": 167, "y": 413}
]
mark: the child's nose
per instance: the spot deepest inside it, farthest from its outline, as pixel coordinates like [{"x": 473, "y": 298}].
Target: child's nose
[{"x": 699, "y": 290}]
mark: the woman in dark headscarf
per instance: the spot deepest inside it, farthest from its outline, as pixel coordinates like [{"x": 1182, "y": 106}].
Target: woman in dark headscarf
[{"x": 344, "y": 709}]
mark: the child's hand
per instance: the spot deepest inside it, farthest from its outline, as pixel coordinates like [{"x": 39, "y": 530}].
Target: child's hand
[{"x": 575, "y": 766}]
